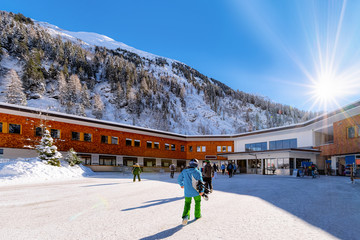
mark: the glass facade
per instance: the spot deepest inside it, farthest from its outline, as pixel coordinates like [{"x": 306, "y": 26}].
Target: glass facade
[
  {"x": 283, "y": 144},
  {"x": 261, "y": 146}
]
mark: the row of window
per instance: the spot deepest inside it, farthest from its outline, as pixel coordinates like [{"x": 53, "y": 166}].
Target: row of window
[
  {"x": 273, "y": 145},
  {"x": 87, "y": 137}
]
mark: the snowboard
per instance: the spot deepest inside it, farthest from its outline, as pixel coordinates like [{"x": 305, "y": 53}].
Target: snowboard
[{"x": 200, "y": 186}]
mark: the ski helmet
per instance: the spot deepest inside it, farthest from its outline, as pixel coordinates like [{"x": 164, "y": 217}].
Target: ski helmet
[{"x": 194, "y": 163}]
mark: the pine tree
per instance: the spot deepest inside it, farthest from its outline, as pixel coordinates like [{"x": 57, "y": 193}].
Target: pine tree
[
  {"x": 15, "y": 92},
  {"x": 72, "y": 158},
  {"x": 47, "y": 151}
]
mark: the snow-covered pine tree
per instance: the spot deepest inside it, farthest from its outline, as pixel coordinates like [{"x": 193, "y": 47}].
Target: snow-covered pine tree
[
  {"x": 15, "y": 92},
  {"x": 47, "y": 151},
  {"x": 72, "y": 158},
  {"x": 98, "y": 107}
]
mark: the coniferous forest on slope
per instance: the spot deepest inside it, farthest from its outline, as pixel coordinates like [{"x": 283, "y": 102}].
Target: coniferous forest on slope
[{"x": 42, "y": 68}]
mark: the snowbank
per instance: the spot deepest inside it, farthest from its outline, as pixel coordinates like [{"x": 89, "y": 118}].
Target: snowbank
[{"x": 32, "y": 170}]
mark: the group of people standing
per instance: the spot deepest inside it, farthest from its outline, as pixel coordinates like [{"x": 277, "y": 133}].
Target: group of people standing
[{"x": 231, "y": 169}]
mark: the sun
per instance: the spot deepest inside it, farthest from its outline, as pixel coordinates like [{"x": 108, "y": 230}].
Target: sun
[{"x": 327, "y": 88}]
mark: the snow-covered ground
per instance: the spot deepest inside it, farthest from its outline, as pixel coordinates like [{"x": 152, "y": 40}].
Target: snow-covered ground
[
  {"x": 111, "y": 206},
  {"x": 33, "y": 170}
]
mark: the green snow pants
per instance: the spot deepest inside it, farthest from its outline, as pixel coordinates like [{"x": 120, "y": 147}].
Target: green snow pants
[
  {"x": 197, "y": 207},
  {"x": 138, "y": 175}
]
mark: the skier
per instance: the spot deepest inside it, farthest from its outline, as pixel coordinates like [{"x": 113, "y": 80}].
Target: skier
[
  {"x": 172, "y": 170},
  {"x": 136, "y": 171},
  {"x": 186, "y": 179},
  {"x": 208, "y": 174}
]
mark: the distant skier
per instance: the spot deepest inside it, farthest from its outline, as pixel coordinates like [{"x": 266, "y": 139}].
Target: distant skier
[
  {"x": 188, "y": 180},
  {"x": 172, "y": 170},
  {"x": 136, "y": 171}
]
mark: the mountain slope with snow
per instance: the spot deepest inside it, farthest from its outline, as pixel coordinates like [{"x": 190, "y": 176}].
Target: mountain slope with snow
[{"x": 92, "y": 75}]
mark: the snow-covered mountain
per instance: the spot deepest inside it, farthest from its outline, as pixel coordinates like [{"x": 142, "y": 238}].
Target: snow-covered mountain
[{"x": 92, "y": 75}]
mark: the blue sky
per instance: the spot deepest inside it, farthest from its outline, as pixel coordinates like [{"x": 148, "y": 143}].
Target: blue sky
[{"x": 287, "y": 50}]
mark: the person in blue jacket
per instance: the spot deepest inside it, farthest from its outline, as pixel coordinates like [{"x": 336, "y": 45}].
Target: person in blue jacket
[{"x": 187, "y": 180}]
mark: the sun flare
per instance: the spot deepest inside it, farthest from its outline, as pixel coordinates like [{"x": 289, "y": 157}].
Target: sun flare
[{"x": 327, "y": 88}]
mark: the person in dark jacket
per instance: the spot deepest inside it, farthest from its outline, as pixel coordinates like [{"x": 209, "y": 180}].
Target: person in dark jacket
[
  {"x": 136, "y": 171},
  {"x": 215, "y": 168},
  {"x": 208, "y": 175},
  {"x": 230, "y": 169},
  {"x": 172, "y": 170},
  {"x": 188, "y": 180}
]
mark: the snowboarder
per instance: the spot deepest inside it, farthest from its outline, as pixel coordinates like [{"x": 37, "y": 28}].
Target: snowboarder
[
  {"x": 136, "y": 171},
  {"x": 208, "y": 175},
  {"x": 186, "y": 180},
  {"x": 172, "y": 170}
]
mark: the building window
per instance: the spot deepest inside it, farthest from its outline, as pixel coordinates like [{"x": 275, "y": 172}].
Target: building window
[
  {"x": 182, "y": 147},
  {"x": 107, "y": 160},
  {"x": 165, "y": 162},
  {"x": 173, "y": 147},
  {"x": 104, "y": 139},
  {"x": 224, "y": 148},
  {"x": 218, "y": 148},
  {"x": 229, "y": 149},
  {"x": 283, "y": 144},
  {"x": 55, "y": 133},
  {"x": 1, "y": 124},
  {"x": 87, "y": 137},
  {"x": 86, "y": 159},
  {"x": 261, "y": 146},
  {"x": 128, "y": 142},
  {"x": 14, "y": 128},
  {"x": 1, "y": 151},
  {"x": 114, "y": 140},
  {"x": 156, "y": 145},
  {"x": 198, "y": 149},
  {"x": 149, "y": 162},
  {"x": 75, "y": 136},
  {"x": 149, "y": 144},
  {"x": 137, "y": 143},
  {"x": 167, "y": 146},
  {"x": 39, "y": 131},
  {"x": 203, "y": 149},
  {"x": 351, "y": 132},
  {"x": 190, "y": 148}
]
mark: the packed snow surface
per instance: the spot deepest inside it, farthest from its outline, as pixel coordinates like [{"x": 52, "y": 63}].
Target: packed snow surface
[{"x": 112, "y": 206}]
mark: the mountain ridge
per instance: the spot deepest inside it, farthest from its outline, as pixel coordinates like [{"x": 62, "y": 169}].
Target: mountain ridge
[{"x": 124, "y": 84}]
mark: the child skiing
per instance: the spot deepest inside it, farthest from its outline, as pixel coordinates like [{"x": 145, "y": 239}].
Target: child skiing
[{"x": 185, "y": 180}]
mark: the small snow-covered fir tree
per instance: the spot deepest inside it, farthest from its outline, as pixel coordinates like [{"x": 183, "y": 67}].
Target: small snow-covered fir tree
[
  {"x": 72, "y": 158},
  {"x": 47, "y": 151}
]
